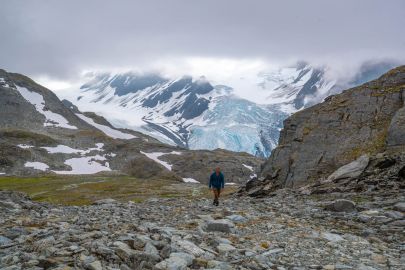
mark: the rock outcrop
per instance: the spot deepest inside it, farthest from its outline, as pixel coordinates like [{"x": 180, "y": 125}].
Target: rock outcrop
[{"x": 365, "y": 120}]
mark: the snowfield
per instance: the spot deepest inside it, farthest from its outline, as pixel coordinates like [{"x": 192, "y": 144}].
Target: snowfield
[
  {"x": 86, "y": 165},
  {"x": 113, "y": 133},
  {"x": 36, "y": 165},
  {"x": 155, "y": 157},
  {"x": 52, "y": 119},
  {"x": 68, "y": 150}
]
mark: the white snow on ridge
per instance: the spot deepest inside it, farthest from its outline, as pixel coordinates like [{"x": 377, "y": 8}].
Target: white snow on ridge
[
  {"x": 86, "y": 165},
  {"x": 247, "y": 166},
  {"x": 36, "y": 165},
  {"x": 1, "y": 173},
  {"x": 190, "y": 180},
  {"x": 113, "y": 133},
  {"x": 155, "y": 157},
  {"x": 52, "y": 119},
  {"x": 25, "y": 146}
]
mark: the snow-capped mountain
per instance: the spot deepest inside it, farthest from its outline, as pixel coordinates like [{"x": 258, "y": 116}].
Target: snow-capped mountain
[{"x": 199, "y": 114}]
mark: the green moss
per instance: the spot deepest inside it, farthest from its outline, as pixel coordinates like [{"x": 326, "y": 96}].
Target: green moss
[
  {"x": 27, "y": 136},
  {"x": 83, "y": 190},
  {"x": 388, "y": 90},
  {"x": 373, "y": 147}
]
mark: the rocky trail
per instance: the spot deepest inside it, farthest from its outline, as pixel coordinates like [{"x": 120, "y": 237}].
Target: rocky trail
[{"x": 287, "y": 230}]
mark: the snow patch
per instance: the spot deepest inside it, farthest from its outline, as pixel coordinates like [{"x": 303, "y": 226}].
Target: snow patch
[
  {"x": 86, "y": 165},
  {"x": 190, "y": 180},
  {"x": 52, "y": 119},
  {"x": 230, "y": 184},
  {"x": 155, "y": 157},
  {"x": 113, "y": 133},
  {"x": 3, "y": 83},
  {"x": 1, "y": 173},
  {"x": 36, "y": 165},
  {"x": 68, "y": 150},
  {"x": 248, "y": 167},
  {"x": 25, "y": 146}
]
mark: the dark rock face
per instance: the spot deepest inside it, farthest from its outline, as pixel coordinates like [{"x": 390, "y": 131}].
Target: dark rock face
[{"x": 316, "y": 141}]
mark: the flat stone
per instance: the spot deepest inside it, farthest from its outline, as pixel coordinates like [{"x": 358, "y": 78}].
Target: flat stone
[
  {"x": 176, "y": 261},
  {"x": 220, "y": 225},
  {"x": 222, "y": 248},
  {"x": 5, "y": 241},
  {"x": 400, "y": 206},
  {"x": 104, "y": 201},
  {"x": 237, "y": 218},
  {"x": 351, "y": 170},
  {"x": 331, "y": 237},
  {"x": 96, "y": 265},
  {"x": 341, "y": 205},
  {"x": 187, "y": 247}
]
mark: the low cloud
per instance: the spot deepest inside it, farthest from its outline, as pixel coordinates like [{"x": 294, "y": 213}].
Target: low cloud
[{"x": 61, "y": 39}]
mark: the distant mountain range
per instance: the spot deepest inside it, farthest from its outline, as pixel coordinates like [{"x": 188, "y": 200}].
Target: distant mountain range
[
  {"x": 40, "y": 134},
  {"x": 198, "y": 114}
]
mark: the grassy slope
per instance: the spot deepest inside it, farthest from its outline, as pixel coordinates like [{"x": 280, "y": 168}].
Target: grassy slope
[{"x": 81, "y": 190}]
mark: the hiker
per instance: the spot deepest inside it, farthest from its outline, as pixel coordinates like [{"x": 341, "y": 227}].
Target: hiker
[{"x": 216, "y": 184}]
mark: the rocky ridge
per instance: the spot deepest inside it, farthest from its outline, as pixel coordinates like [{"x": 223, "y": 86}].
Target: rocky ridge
[
  {"x": 39, "y": 134},
  {"x": 289, "y": 230},
  {"x": 368, "y": 119}
]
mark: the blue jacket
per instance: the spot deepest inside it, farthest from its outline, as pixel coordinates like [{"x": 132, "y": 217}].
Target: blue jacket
[{"x": 217, "y": 181}]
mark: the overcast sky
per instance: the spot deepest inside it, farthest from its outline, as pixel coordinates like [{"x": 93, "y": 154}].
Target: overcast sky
[{"x": 60, "y": 39}]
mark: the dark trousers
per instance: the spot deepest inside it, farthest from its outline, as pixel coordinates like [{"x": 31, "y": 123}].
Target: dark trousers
[{"x": 217, "y": 192}]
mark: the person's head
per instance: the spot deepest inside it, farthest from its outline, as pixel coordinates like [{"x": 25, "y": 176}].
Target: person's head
[{"x": 217, "y": 169}]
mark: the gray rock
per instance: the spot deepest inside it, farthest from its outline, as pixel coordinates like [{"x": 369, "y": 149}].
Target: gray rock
[
  {"x": 96, "y": 265},
  {"x": 332, "y": 237},
  {"x": 105, "y": 201},
  {"x": 394, "y": 214},
  {"x": 213, "y": 264},
  {"x": 151, "y": 249},
  {"x": 341, "y": 206},
  {"x": 400, "y": 206},
  {"x": 176, "y": 261},
  {"x": 223, "y": 248},
  {"x": 5, "y": 241},
  {"x": 220, "y": 225},
  {"x": 398, "y": 223},
  {"x": 237, "y": 218},
  {"x": 124, "y": 251},
  {"x": 351, "y": 170},
  {"x": 187, "y": 247}
]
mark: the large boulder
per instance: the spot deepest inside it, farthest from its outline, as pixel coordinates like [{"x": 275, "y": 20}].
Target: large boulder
[{"x": 352, "y": 170}]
